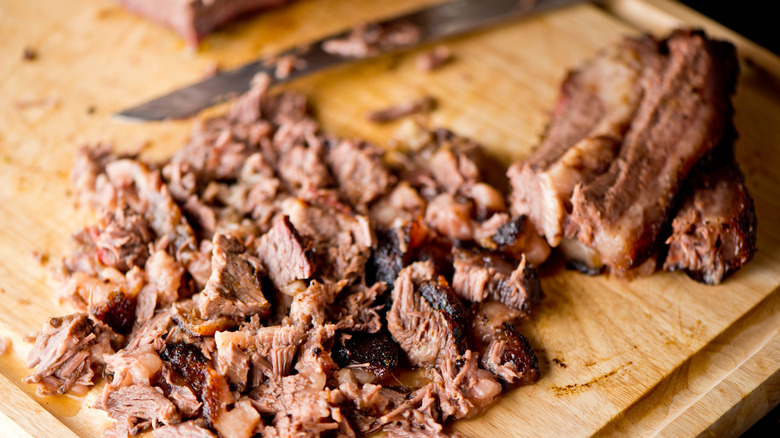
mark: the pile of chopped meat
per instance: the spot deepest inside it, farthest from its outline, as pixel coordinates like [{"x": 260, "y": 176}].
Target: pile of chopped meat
[
  {"x": 637, "y": 170},
  {"x": 272, "y": 279}
]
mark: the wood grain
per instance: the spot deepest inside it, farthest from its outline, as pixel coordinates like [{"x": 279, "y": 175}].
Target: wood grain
[{"x": 656, "y": 355}]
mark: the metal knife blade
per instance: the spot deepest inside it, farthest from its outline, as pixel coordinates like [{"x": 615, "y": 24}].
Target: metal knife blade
[{"x": 434, "y": 23}]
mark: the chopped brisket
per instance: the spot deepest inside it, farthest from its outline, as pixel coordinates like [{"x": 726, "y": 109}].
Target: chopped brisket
[
  {"x": 372, "y": 39},
  {"x": 188, "y": 429},
  {"x": 434, "y": 58},
  {"x": 234, "y": 286},
  {"x": 376, "y": 353},
  {"x": 422, "y": 105},
  {"x": 518, "y": 237},
  {"x": 510, "y": 357},
  {"x": 68, "y": 352},
  {"x": 284, "y": 254},
  {"x": 359, "y": 171},
  {"x": 424, "y": 323},
  {"x": 684, "y": 113},
  {"x": 138, "y": 407},
  {"x": 714, "y": 232},
  {"x": 482, "y": 275},
  {"x": 187, "y": 316},
  {"x": 123, "y": 240}
]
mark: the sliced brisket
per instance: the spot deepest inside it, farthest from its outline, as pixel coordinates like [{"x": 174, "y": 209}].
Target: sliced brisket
[{"x": 684, "y": 113}]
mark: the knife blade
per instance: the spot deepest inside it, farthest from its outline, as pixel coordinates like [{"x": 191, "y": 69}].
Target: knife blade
[{"x": 434, "y": 23}]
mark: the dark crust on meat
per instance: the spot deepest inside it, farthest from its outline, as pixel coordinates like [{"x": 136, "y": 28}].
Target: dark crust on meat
[
  {"x": 378, "y": 350},
  {"x": 118, "y": 311},
  {"x": 443, "y": 299}
]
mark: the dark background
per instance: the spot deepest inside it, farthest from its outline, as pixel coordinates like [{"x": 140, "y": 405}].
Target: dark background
[
  {"x": 757, "y": 20},
  {"x": 754, "y": 20}
]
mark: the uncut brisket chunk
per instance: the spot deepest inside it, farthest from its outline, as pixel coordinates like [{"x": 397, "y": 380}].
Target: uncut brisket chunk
[
  {"x": 714, "y": 232},
  {"x": 684, "y": 113},
  {"x": 595, "y": 108},
  {"x": 194, "y": 19},
  {"x": 68, "y": 352}
]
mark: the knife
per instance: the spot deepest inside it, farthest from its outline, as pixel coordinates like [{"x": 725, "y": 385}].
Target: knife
[{"x": 433, "y": 23}]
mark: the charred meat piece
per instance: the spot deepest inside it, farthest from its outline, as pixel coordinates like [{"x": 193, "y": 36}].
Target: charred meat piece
[
  {"x": 194, "y": 19},
  {"x": 376, "y": 353},
  {"x": 510, "y": 356},
  {"x": 684, "y": 113},
  {"x": 714, "y": 232},
  {"x": 234, "y": 286},
  {"x": 596, "y": 107},
  {"x": 483, "y": 275},
  {"x": 210, "y": 387},
  {"x": 285, "y": 254},
  {"x": 517, "y": 238},
  {"x": 67, "y": 353},
  {"x": 423, "y": 328},
  {"x": 117, "y": 311}
]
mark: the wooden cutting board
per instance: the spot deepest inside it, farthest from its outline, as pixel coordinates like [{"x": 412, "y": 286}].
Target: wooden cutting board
[{"x": 656, "y": 355}]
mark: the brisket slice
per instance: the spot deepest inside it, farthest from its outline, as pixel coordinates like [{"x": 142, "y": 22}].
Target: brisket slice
[
  {"x": 194, "y": 19},
  {"x": 234, "y": 286},
  {"x": 714, "y": 232},
  {"x": 684, "y": 113},
  {"x": 595, "y": 108},
  {"x": 68, "y": 352}
]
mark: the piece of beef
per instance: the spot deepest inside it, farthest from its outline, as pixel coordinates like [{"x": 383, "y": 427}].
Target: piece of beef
[
  {"x": 482, "y": 275},
  {"x": 239, "y": 422},
  {"x": 402, "y": 205},
  {"x": 358, "y": 308},
  {"x": 342, "y": 239},
  {"x": 164, "y": 278},
  {"x": 422, "y": 105},
  {"x": 714, "y": 232},
  {"x": 595, "y": 108},
  {"x": 371, "y": 39},
  {"x": 207, "y": 384},
  {"x": 509, "y": 356},
  {"x": 285, "y": 255},
  {"x": 309, "y": 306},
  {"x": 234, "y": 286},
  {"x": 376, "y": 353},
  {"x": 433, "y": 59},
  {"x": 194, "y": 19},
  {"x": 250, "y": 355},
  {"x": 304, "y": 168},
  {"x": 518, "y": 237},
  {"x": 123, "y": 240},
  {"x": 425, "y": 314},
  {"x": 68, "y": 352},
  {"x": 187, "y": 429},
  {"x": 138, "y": 407},
  {"x": 359, "y": 171},
  {"x": 187, "y": 316},
  {"x": 684, "y": 113}
]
